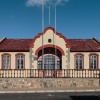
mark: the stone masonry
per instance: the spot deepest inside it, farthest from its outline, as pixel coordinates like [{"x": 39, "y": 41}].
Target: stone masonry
[{"x": 39, "y": 83}]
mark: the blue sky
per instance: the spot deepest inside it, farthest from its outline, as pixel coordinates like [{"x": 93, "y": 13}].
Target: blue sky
[{"x": 75, "y": 18}]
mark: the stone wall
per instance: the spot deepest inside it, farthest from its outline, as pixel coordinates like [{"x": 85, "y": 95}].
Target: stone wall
[{"x": 33, "y": 83}]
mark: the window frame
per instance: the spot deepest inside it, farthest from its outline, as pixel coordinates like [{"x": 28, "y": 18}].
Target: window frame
[
  {"x": 9, "y": 60},
  {"x": 82, "y": 61},
  {"x": 39, "y": 65},
  {"x": 46, "y": 61},
  {"x": 23, "y": 61},
  {"x": 96, "y": 61}
]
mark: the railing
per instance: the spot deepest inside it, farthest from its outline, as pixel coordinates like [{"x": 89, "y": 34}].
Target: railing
[{"x": 35, "y": 73}]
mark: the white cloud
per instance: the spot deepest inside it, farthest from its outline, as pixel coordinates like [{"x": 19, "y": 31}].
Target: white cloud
[{"x": 46, "y": 2}]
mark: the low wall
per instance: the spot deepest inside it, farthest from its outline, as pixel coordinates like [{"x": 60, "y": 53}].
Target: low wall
[{"x": 34, "y": 83}]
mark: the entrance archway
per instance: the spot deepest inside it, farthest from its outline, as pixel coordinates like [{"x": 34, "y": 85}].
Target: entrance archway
[{"x": 49, "y": 60}]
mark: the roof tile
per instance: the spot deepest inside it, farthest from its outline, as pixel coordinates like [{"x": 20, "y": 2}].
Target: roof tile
[
  {"x": 84, "y": 45},
  {"x": 15, "y": 45},
  {"x": 77, "y": 45}
]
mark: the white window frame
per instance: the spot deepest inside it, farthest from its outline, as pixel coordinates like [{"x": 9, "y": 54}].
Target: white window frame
[
  {"x": 93, "y": 61},
  {"x": 79, "y": 61},
  {"x": 48, "y": 59},
  {"x": 6, "y": 61},
  {"x": 20, "y": 61}
]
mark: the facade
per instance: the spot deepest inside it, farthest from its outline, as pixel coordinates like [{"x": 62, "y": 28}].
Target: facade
[{"x": 54, "y": 52}]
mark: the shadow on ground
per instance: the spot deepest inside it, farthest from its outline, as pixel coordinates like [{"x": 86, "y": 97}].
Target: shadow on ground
[{"x": 85, "y": 97}]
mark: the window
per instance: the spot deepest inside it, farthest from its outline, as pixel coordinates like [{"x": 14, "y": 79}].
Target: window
[
  {"x": 93, "y": 61},
  {"x": 49, "y": 62},
  {"x": 20, "y": 61},
  {"x": 6, "y": 61},
  {"x": 58, "y": 64},
  {"x": 79, "y": 61},
  {"x": 49, "y": 40},
  {"x": 39, "y": 64}
]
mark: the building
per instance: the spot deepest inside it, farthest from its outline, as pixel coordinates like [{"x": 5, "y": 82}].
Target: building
[{"x": 55, "y": 52}]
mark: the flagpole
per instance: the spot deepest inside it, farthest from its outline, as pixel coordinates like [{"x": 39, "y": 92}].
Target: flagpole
[
  {"x": 49, "y": 15},
  {"x": 42, "y": 33},
  {"x": 55, "y": 40}
]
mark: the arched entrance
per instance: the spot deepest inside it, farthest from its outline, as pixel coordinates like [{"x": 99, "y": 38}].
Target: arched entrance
[{"x": 49, "y": 60}]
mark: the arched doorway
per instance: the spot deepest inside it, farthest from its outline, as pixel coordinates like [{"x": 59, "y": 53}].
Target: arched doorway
[{"x": 49, "y": 60}]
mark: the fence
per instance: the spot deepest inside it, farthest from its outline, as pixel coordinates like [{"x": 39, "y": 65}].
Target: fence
[{"x": 35, "y": 73}]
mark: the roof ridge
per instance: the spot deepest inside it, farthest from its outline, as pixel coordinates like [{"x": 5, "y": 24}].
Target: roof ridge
[
  {"x": 78, "y": 39},
  {"x": 19, "y": 38}
]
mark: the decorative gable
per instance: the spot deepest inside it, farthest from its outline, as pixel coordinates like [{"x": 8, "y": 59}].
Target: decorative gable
[{"x": 48, "y": 32}]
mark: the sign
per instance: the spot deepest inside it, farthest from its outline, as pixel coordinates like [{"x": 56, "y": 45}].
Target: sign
[{"x": 35, "y": 58}]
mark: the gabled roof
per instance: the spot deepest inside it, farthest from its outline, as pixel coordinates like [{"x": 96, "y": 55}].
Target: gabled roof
[
  {"x": 77, "y": 45},
  {"x": 11, "y": 45}
]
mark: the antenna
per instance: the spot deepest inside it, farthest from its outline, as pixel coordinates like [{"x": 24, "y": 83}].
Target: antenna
[
  {"x": 42, "y": 33},
  {"x": 49, "y": 15}
]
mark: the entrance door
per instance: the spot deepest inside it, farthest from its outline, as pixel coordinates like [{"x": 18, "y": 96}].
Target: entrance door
[
  {"x": 49, "y": 62},
  {"x": 49, "y": 65}
]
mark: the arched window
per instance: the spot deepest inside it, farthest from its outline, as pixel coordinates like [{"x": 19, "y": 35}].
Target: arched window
[
  {"x": 20, "y": 62},
  {"x": 79, "y": 60},
  {"x": 50, "y": 62},
  {"x": 93, "y": 61},
  {"x": 6, "y": 61}
]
